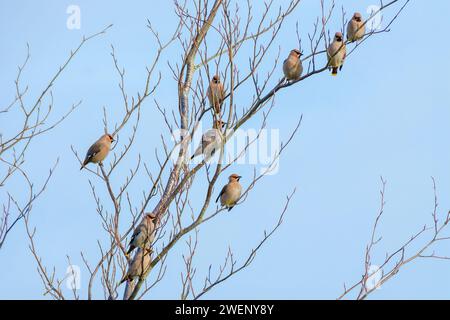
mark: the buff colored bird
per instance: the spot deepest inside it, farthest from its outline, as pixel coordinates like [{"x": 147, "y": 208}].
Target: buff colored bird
[
  {"x": 99, "y": 150},
  {"x": 211, "y": 141},
  {"x": 231, "y": 192},
  {"x": 292, "y": 66},
  {"x": 144, "y": 234},
  {"x": 139, "y": 266},
  {"x": 216, "y": 94},
  {"x": 336, "y": 52},
  {"x": 356, "y": 28}
]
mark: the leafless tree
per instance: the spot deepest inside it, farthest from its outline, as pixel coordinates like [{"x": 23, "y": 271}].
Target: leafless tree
[
  {"x": 32, "y": 118},
  {"x": 237, "y": 30},
  {"x": 412, "y": 249}
]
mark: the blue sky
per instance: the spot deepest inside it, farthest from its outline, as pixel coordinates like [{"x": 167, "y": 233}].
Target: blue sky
[{"x": 385, "y": 115}]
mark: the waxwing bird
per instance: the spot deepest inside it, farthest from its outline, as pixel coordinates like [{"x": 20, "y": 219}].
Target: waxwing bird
[
  {"x": 211, "y": 141},
  {"x": 336, "y": 53},
  {"x": 356, "y": 28},
  {"x": 144, "y": 234},
  {"x": 292, "y": 66},
  {"x": 231, "y": 192},
  {"x": 139, "y": 266},
  {"x": 216, "y": 94},
  {"x": 99, "y": 150}
]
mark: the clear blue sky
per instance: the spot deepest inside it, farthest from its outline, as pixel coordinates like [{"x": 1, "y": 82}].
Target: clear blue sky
[{"x": 386, "y": 114}]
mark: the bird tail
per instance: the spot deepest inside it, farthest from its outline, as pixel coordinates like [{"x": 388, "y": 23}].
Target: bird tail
[
  {"x": 125, "y": 278},
  {"x": 335, "y": 71},
  {"x": 218, "y": 197},
  {"x": 197, "y": 152},
  {"x": 85, "y": 162}
]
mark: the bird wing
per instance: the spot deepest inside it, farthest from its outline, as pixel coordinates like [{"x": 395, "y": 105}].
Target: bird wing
[
  {"x": 209, "y": 95},
  {"x": 206, "y": 140},
  {"x": 221, "y": 93},
  {"x": 212, "y": 141},
  {"x": 349, "y": 29},
  {"x": 92, "y": 151},
  {"x": 208, "y": 137},
  {"x": 134, "y": 235},
  {"x": 221, "y": 193}
]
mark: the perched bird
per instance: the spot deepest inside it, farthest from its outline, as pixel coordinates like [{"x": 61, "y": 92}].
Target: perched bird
[
  {"x": 336, "y": 52},
  {"x": 139, "y": 266},
  {"x": 356, "y": 28},
  {"x": 144, "y": 234},
  {"x": 292, "y": 66},
  {"x": 99, "y": 150},
  {"x": 216, "y": 94},
  {"x": 211, "y": 141},
  {"x": 231, "y": 192}
]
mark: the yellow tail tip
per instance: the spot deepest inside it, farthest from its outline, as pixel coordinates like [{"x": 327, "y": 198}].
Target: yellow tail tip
[{"x": 334, "y": 74}]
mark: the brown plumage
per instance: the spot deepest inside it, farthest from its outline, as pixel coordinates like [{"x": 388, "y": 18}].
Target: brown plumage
[
  {"x": 216, "y": 94},
  {"x": 336, "y": 53},
  {"x": 139, "y": 265},
  {"x": 144, "y": 234},
  {"x": 231, "y": 192},
  {"x": 292, "y": 66},
  {"x": 211, "y": 141},
  {"x": 356, "y": 28},
  {"x": 99, "y": 150}
]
